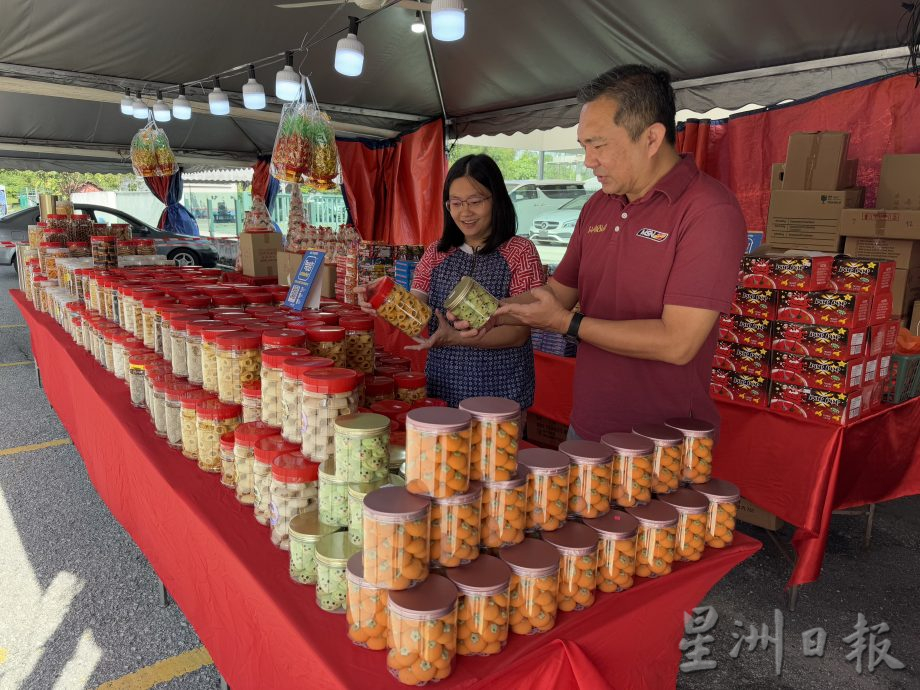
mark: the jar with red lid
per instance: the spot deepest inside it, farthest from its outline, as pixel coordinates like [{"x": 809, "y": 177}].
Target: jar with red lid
[
  {"x": 265, "y": 451},
  {"x": 359, "y": 342},
  {"x": 692, "y": 508},
  {"x": 145, "y": 247},
  {"x": 168, "y": 313},
  {"x": 81, "y": 227},
  {"x": 365, "y": 607},
  {"x": 398, "y": 307},
  {"x": 631, "y": 478},
  {"x": 293, "y": 490},
  {"x": 455, "y": 525},
  {"x": 259, "y": 299},
  {"x": 227, "y": 461},
  {"x": 666, "y": 458},
  {"x": 589, "y": 477},
  {"x": 125, "y": 248},
  {"x": 483, "y": 610},
  {"x": 79, "y": 250},
  {"x": 214, "y": 419},
  {"x": 429, "y": 402},
  {"x": 140, "y": 293},
  {"x": 153, "y": 372},
  {"x": 160, "y": 385},
  {"x": 149, "y": 306},
  {"x": 303, "y": 324},
  {"x": 37, "y": 284},
  {"x": 696, "y": 458},
  {"x": 103, "y": 251},
  {"x": 391, "y": 408},
  {"x": 396, "y": 538},
  {"x": 616, "y": 554},
  {"x": 504, "y": 512},
  {"x": 209, "y": 336},
  {"x": 252, "y": 401},
  {"x": 136, "y": 365},
  {"x": 292, "y": 370},
  {"x": 239, "y": 359},
  {"x": 377, "y": 389},
  {"x": 160, "y": 315},
  {"x": 173, "y": 408},
  {"x": 178, "y": 332},
  {"x": 188, "y": 401},
  {"x": 108, "y": 342},
  {"x": 534, "y": 586},
  {"x": 193, "y": 343},
  {"x": 657, "y": 538},
  {"x": 326, "y": 395},
  {"x": 437, "y": 451},
  {"x": 410, "y": 386},
  {"x": 388, "y": 372},
  {"x": 43, "y": 248},
  {"x": 52, "y": 254},
  {"x": 327, "y": 318},
  {"x": 723, "y": 498},
  {"x": 231, "y": 299},
  {"x": 395, "y": 362},
  {"x": 327, "y": 341},
  {"x": 273, "y": 357},
  {"x": 195, "y": 301},
  {"x": 577, "y": 547},
  {"x": 547, "y": 473},
  {"x": 496, "y": 431},
  {"x": 246, "y": 435},
  {"x": 121, "y": 231}
]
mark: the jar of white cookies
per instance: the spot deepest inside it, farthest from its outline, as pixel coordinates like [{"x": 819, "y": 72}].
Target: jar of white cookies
[
  {"x": 173, "y": 410},
  {"x": 293, "y": 490},
  {"x": 327, "y": 394},
  {"x": 214, "y": 419},
  {"x": 245, "y": 437},
  {"x": 239, "y": 359},
  {"x": 271, "y": 377},
  {"x": 209, "y": 338},
  {"x": 265, "y": 451},
  {"x": 252, "y": 401},
  {"x": 292, "y": 371},
  {"x": 188, "y": 402},
  {"x": 193, "y": 342}
]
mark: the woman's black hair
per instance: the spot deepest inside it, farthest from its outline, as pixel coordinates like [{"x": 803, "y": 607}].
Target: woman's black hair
[{"x": 484, "y": 170}]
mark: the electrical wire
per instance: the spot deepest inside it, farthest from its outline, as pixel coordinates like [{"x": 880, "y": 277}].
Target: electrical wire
[{"x": 908, "y": 34}]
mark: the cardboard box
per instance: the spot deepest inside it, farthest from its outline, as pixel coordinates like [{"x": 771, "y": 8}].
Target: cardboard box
[
  {"x": 809, "y": 220},
  {"x": 865, "y": 275},
  {"x": 259, "y": 253},
  {"x": 899, "y": 183},
  {"x": 876, "y": 339},
  {"x": 755, "y": 515},
  {"x": 545, "y": 432},
  {"x": 891, "y": 337},
  {"x": 787, "y": 272},
  {"x": 777, "y": 172},
  {"x": 824, "y": 308},
  {"x": 849, "y": 173},
  {"x": 870, "y": 370},
  {"x": 880, "y": 311},
  {"x": 821, "y": 342},
  {"x": 868, "y": 397},
  {"x": 814, "y": 404},
  {"x": 754, "y": 303},
  {"x": 905, "y": 290},
  {"x": 289, "y": 263},
  {"x": 742, "y": 358},
  {"x": 741, "y": 388},
  {"x": 875, "y": 222},
  {"x": 735, "y": 328},
  {"x": 816, "y": 160},
  {"x": 823, "y": 374},
  {"x": 904, "y": 253}
]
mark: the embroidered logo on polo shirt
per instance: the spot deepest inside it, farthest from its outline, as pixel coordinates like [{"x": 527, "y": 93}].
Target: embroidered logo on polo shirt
[
  {"x": 653, "y": 235},
  {"x": 596, "y": 229}
]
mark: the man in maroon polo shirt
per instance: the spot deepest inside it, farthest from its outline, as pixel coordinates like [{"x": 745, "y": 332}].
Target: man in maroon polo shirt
[{"x": 653, "y": 260}]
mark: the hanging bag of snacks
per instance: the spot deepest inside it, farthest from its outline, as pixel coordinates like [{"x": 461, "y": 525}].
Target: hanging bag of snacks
[{"x": 151, "y": 155}]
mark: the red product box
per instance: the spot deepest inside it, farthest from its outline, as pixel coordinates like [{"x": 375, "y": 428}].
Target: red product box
[
  {"x": 742, "y": 358},
  {"x": 735, "y": 328},
  {"x": 754, "y": 303},
  {"x": 870, "y": 371},
  {"x": 891, "y": 337},
  {"x": 815, "y": 405},
  {"x": 787, "y": 272},
  {"x": 882, "y": 304},
  {"x": 823, "y": 374},
  {"x": 876, "y": 336},
  {"x": 867, "y": 276},
  {"x": 823, "y": 308},
  {"x": 884, "y": 368},
  {"x": 868, "y": 397},
  {"x": 743, "y": 388},
  {"x": 876, "y": 398},
  {"x": 822, "y": 342}
]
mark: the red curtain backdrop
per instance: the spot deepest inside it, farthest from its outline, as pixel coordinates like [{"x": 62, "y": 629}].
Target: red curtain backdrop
[
  {"x": 881, "y": 117},
  {"x": 393, "y": 188}
]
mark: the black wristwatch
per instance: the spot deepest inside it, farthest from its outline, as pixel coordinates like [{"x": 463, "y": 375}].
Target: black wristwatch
[{"x": 575, "y": 324}]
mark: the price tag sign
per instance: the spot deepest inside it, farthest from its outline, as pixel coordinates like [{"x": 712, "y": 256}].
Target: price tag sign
[{"x": 305, "y": 290}]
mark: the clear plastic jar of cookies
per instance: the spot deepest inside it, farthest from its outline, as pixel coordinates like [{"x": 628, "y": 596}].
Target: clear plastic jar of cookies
[
  {"x": 362, "y": 447},
  {"x": 327, "y": 341},
  {"x": 292, "y": 371},
  {"x": 271, "y": 378},
  {"x": 227, "y": 460},
  {"x": 657, "y": 538},
  {"x": 666, "y": 457},
  {"x": 284, "y": 337},
  {"x": 158, "y": 408},
  {"x": 377, "y": 389},
  {"x": 178, "y": 333},
  {"x": 398, "y": 307},
  {"x": 396, "y": 538},
  {"x": 293, "y": 490},
  {"x": 52, "y": 254},
  {"x": 359, "y": 343},
  {"x": 534, "y": 585},
  {"x": 173, "y": 409},
  {"x": 692, "y": 508},
  {"x": 332, "y": 554},
  {"x": 153, "y": 373},
  {"x": 723, "y": 498},
  {"x": 356, "y": 494},
  {"x": 437, "y": 451},
  {"x": 496, "y": 431},
  {"x": 589, "y": 477},
  {"x": 504, "y": 512},
  {"x": 43, "y": 248},
  {"x": 108, "y": 344},
  {"x": 245, "y": 437},
  {"x": 136, "y": 366},
  {"x": 631, "y": 479},
  {"x": 616, "y": 554},
  {"x": 410, "y": 386},
  {"x": 547, "y": 473},
  {"x": 103, "y": 251},
  {"x": 333, "y": 496},
  {"x": 577, "y": 547},
  {"x": 455, "y": 525},
  {"x": 239, "y": 359},
  {"x": 483, "y": 609},
  {"x": 422, "y": 635},
  {"x": 252, "y": 401},
  {"x": 696, "y": 458},
  {"x": 265, "y": 451},
  {"x": 124, "y": 345},
  {"x": 327, "y": 395},
  {"x": 305, "y": 530},
  {"x": 188, "y": 403},
  {"x": 471, "y": 302},
  {"x": 365, "y": 608},
  {"x": 193, "y": 342},
  {"x": 209, "y": 338},
  {"x": 214, "y": 419},
  {"x": 149, "y": 305}
]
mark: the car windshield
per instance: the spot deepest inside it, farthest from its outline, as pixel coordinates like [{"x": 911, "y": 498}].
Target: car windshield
[
  {"x": 563, "y": 191},
  {"x": 577, "y": 203}
]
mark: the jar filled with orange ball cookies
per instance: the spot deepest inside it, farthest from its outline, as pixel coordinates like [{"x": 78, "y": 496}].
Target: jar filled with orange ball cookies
[
  {"x": 547, "y": 473},
  {"x": 483, "y": 609},
  {"x": 616, "y": 553},
  {"x": 724, "y": 498},
  {"x": 534, "y": 583},
  {"x": 455, "y": 527},
  {"x": 696, "y": 456},
  {"x": 589, "y": 477},
  {"x": 657, "y": 538},
  {"x": 496, "y": 431},
  {"x": 365, "y": 608},
  {"x": 422, "y": 631},
  {"x": 692, "y": 508},
  {"x": 666, "y": 456},
  {"x": 577, "y": 546},
  {"x": 396, "y": 538},
  {"x": 631, "y": 479},
  {"x": 437, "y": 451},
  {"x": 504, "y": 512}
]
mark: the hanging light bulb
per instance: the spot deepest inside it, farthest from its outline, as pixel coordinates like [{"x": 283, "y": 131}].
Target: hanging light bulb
[
  {"x": 287, "y": 82},
  {"x": 140, "y": 108},
  {"x": 447, "y": 20},
  {"x": 160, "y": 109},
  {"x": 349, "y": 52},
  {"x": 181, "y": 108},
  {"x": 418, "y": 26},
  {"x": 217, "y": 100},
  {"x": 253, "y": 93},
  {"x": 127, "y": 103}
]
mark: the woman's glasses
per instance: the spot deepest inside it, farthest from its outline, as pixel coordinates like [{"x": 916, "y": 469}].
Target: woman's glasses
[{"x": 474, "y": 203}]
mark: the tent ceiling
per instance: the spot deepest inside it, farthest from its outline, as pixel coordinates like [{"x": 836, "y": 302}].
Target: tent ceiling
[{"x": 517, "y": 69}]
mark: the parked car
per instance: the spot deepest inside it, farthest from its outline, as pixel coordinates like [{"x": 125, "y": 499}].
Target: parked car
[
  {"x": 534, "y": 197},
  {"x": 183, "y": 250},
  {"x": 556, "y": 227}
]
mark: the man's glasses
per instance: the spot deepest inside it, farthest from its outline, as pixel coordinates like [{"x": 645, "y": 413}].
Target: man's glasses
[{"x": 474, "y": 203}]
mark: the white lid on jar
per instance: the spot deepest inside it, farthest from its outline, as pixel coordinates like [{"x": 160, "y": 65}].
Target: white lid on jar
[
  {"x": 687, "y": 501},
  {"x": 542, "y": 461},
  {"x": 395, "y": 504},
  {"x": 573, "y": 539},
  {"x": 438, "y": 419},
  {"x": 586, "y": 452},
  {"x": 434, "y": 598},
  {"x": 660, "y": 434},
  {"x": 628, "y": 445},
  {"x": 486, "y": 576},
  {"x": 531, "y": 558},
  {"x": 491, "y": 409},
  {"x": 694, "y": 428},
  {"x": 614, "y": 525}
]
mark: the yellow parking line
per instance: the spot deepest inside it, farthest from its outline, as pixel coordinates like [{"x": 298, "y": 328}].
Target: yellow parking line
[
  {"x": 13, "y": 325},
  {"x": 161, "y": 672},
  {"x": 16, "y": 364},
  {"x": 35, "y": 446}
]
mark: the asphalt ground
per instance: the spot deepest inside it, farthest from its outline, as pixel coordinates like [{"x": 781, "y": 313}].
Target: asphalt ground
[{"x": 79, "y": 604}]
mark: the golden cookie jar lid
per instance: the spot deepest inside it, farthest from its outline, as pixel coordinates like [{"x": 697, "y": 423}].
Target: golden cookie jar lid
[
  {"x": 486, "y": 576},
  {"x": 362, "y": 424},
  {"x": 491, "y": 409},
  {"x": 531, "y": 558},
  {"x": 542, "y": 461},
  {"x": 573, "y": 539},
  {"x": 395, "y": 504},
  {"x": 308, "y": 527},
  {"x": 586, "y": 452},
  {"x": 719, "y": 490},
  {"x": 434, "y": 598},
  {"x": 335, "y": 549},
  {"x": 687, "y": 501},
  {"x": 694, "y": 428},
  {"x": 628, "y": 445},
  {"x": 655, "y": 514},
  {"x": 660, "y": 434},
  {"x": 359, "y": 490},
  {"x": 614, "y": 525}
]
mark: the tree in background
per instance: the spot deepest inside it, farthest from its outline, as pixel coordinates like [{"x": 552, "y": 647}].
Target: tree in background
[
  {"x": 28, "y": 181},
  {"x": 523, "y": 165}
]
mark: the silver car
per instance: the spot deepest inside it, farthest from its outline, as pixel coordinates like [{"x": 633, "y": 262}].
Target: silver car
[{"x": 556, "y": 227}]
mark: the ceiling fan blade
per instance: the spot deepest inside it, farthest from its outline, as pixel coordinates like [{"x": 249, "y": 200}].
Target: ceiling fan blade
[
  {"x": 316, "y": 3},
  {"x": 417, "y": 6}
]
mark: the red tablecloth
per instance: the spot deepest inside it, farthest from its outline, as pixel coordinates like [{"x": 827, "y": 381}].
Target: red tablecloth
[
  {"x": 797, "y": 470},
  {"x": 263, "y": 630}
]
